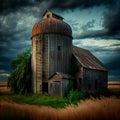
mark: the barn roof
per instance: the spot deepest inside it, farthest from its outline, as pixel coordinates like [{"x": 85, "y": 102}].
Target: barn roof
[
  {"x": 57, "y": 76},
  {"x": 87, "y": 59},
  {"x": 53, "y": 14}
]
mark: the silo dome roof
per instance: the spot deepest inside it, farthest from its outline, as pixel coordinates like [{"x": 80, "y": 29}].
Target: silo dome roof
[{"x": 52, "y": 24}]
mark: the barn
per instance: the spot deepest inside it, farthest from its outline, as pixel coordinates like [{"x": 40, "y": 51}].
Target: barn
[
  {"x": 52, "y": 54},
  {"x": 92, "y": 75}
]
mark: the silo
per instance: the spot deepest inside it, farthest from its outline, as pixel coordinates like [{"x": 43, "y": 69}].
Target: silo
[{"x": 51, "y": 49}]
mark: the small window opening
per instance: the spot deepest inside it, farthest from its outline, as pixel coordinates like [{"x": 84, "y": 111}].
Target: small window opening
[
  {"x": 48, "y": 16},
  {"x": 59, "y": 48}
]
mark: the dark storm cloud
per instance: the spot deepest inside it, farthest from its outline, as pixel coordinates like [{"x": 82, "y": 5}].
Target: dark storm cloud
[
  {"x": 90, "y": 24},
  {"x": 17, "y": 18},
  {"x": 89, "y": 34},
  {"x": 111, "y": 24},
  {"x": 112, "y": 21},
  {"x": 10, "y": 6},
  {"x": 111, "y": 27},
  {"x": 113, "y": 66},
  {"x": 15, "y": 29},
  {"x": 4, "y": 63},
  {"x": 11, "y": 40},
  {"x": 7, "y": 6},
  {"x": 82, "y": 4},
  {"x": 10, "y": 46},
  {"x": 116, "y": 62},
  {"x": 87, "y": 31}
]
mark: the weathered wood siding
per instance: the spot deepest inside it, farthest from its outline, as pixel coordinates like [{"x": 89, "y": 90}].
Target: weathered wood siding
[
  {"x": 45, "y": 58},
  {"x": 57, "y": 88},
  {"x": 54, "y": 88},
  {"x": 37, "y": 59},
  {"x": 33, "y": 64},
  {"x": 94, "y": 80},
  {"x": 64, "y": 85},
  {"x": 59, "y": 53}
]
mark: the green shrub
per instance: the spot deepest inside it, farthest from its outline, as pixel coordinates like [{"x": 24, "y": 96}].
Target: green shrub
[
  {"x": 69, "y": 88},
  {"x": 75, "y": 96},
  {"x": 20, "y": 78}
]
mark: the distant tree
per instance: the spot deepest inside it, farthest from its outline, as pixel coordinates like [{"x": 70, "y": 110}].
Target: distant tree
[{"x": 20, "y": 78}]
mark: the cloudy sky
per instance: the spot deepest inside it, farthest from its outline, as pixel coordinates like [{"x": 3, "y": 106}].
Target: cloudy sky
[{"x": 95, "y": 25}]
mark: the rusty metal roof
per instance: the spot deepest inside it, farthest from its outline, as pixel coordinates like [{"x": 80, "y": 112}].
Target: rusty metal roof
[
  {"x": 57, "y": 76},
  {"x": 52, "y": 25},
  {"x": 87, "y": 59}
]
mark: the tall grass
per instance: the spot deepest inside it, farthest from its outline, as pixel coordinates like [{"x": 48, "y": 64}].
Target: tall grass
[{"x": 98, "y": 109}]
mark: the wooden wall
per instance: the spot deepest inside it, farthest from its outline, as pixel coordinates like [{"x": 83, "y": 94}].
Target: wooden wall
[
  {"x": 57, "y": 88},
  {"x": 64, "y": 85},
  {"x": 54, "y": 88},
  {"x": 94, "y": 80},
  {"x": 59, "y": 60}
]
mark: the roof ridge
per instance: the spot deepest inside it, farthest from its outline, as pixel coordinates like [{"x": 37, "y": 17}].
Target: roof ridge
[
  {"x": 80, "y": 48},
  {"x": 52, "y": 13}
]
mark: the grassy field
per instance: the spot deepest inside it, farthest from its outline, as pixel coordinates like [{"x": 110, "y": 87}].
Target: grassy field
[{"x": 58, "y": 102}]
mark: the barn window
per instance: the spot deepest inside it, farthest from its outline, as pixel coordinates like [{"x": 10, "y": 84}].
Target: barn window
[
  {"x": 48, "y": 16},
  {"x": 59, "y": 48},
  {"x": 96, "y": 84}
]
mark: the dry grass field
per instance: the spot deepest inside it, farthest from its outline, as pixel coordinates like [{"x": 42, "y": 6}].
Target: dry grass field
[
  {"x": 115, "y": 86},
  {"x": 91, "y": 109},
  {"x": 3, "y": 87}
]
